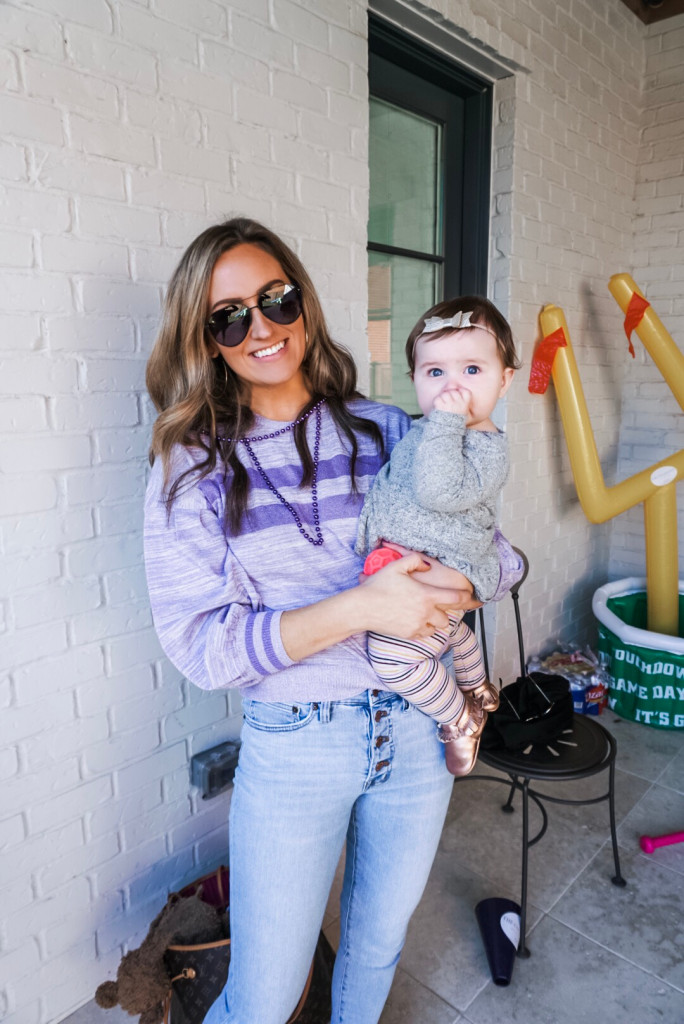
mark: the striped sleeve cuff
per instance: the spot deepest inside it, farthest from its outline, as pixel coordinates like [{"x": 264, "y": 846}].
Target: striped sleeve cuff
[{"x": 263, "y": 643}]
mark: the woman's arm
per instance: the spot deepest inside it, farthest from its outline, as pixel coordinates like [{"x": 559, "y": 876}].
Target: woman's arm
[
  {"x": 448, "y": 476},
  {"x": 393, "y": 601}
]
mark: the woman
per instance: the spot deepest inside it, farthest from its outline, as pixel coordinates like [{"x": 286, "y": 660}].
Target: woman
[{"x": 263, "y": 451}]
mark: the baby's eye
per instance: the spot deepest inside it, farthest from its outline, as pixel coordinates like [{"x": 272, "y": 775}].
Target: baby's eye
[
  {"x": 435, "y": 372},
  {"x": 472, "y": 370}
]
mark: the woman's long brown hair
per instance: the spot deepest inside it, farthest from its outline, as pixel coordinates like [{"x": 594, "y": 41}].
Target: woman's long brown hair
[{"x": 198, "y": 397}]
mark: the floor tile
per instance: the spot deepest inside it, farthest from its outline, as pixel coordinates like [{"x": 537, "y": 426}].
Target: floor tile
[
  {"x": 444, "y": 950},
  {"x": 410, "y": 1003},
  {"x": 488, "y": 842},
  {"x": 644, "y": 922},
  {"x": 91, "y": 1013},
  {"x": 659, "y": 812},
  {"x": 568, "y": 979},
  {"x": 642, "y": 750}
]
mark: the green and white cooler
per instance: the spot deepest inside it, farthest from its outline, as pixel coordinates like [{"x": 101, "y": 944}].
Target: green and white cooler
[{"x": 646, "y": 669}]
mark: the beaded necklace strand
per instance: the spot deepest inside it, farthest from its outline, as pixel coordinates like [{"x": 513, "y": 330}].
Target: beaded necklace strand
[{"x": 249, "y": 441}]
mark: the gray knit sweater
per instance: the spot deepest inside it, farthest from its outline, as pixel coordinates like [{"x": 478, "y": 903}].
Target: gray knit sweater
[{"x": 437, "y": 494}]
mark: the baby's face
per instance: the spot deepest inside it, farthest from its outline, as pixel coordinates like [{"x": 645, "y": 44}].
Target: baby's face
[{"x": 465, "y": 368}]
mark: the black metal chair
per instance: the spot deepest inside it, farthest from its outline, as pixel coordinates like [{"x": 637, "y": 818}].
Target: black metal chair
[{"x": 587, "y": 750}]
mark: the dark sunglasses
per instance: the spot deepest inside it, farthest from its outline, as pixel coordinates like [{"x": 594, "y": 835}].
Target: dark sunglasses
[{"x": 281, "y": 304}]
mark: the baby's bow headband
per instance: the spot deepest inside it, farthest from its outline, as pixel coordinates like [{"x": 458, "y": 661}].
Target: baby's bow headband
[{"x": 436, "y": 323}]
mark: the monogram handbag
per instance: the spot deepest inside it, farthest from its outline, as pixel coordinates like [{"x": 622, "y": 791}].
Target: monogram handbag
[{"x": 198, "y": 973}]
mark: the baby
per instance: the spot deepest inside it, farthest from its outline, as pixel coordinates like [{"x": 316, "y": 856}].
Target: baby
[{"x": 437, "y": 495}]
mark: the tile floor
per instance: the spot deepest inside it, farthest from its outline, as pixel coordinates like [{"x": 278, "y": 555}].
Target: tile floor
[{"x": 600, "y": 954}]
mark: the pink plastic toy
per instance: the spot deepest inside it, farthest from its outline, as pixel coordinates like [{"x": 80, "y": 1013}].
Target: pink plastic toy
[
  {"x": 650, "y": 843},
  {"x": 378, "y": 559}
]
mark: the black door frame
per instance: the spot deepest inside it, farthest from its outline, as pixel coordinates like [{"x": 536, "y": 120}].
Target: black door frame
[{"x": 410, "y": 74}]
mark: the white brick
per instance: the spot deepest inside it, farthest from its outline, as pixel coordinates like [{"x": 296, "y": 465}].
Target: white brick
[
  {"x": 117, "y": 142},
  {"x": 12, "y": 832},
  {"x": 116, "y": 374},
  {"x": 43, "y": 678},
  {"x": 117, "y": 220},
  {"x": 266, "y": 182},
  {"x": 147, "y": 30},
  {"x": 70, "y": 87},
  {"x": 22, "y": 789},
  {"x": 21, "y": 291},
  {"x": 84, "y": 412},
  {"x": 106, "y": 485},
  {"x": 163, "y": 762},
  {"x": 248, "y": 36},
  {"x": 127, "y": 584},
  {"x": 202, "y": 15},
  {"x": 155, "y": 265},
  {"x": 80, "y": 174},
  {"x": 16, "y": 250},
  {"x": 96, "y": 695},
  {"x": 133, "y": 299},
  {"x": 19, "y": 723},
  {"x": 9, "y": 766},
  {"x": 9, "y": 71},
  {"x": 31, "y": 31},
  {"x": 28, "y": 208},
  {"x": 70, "y": 597},
  {"x": 195, "y": 162},
  {"x": 264, "y": 111},
  {"x": 179, "y": 229},
  {"x": 151, "y": 188},
  {"x": 323, "y": 69},
  {"x": 17, "y": 114},
  {"x": 26, "y": 414},
  {"x": 221, "y": 60},
  {"x": 27, "y": 493},
  {"x": 166, "y": 117},
  {"x": 62, "y": 869},
  {"x": 102, "y": 555},
  {"x": 52, "y": 453},
  {"x": 74, "y": 255},
  {"x": 49, "y": 751},
  {"x": 121, "y": 445},
  {"x": 225, "y": 132},
  {"x": 108, "y": 817},
  {"x": 91, "y": 333},
  {"x": 124, "y": 868},
  {"x": 40, "y": 531},
  {"x": 124, "y": 653},
  {"x": 13, "y": 164},
  {"x": 191, "y": 85},
  {"x": 106, "y": 622},
  {"x": 108, "y": 56}
]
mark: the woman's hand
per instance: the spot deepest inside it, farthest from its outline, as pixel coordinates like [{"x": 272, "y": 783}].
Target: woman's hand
[{"x": 395, "y": 601}]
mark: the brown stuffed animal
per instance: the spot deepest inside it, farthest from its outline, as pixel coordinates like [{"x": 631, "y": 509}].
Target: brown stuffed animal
[{"x": 142, "y": 982}]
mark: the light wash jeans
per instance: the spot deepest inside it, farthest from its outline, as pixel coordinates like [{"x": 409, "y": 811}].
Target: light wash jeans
[{"x": 369, "y": 768}]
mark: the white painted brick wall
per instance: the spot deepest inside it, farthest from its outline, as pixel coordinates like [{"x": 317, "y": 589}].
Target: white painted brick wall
[
  {"x": 652, "y": 424},
  {"x": 127, "y": 128}
]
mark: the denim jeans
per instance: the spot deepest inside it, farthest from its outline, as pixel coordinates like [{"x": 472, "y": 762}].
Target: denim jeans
[{"x": 370, "y": 768}]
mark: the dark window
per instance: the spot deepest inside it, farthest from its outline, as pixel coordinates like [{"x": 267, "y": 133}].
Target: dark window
[{"x": 428, "y": 229}]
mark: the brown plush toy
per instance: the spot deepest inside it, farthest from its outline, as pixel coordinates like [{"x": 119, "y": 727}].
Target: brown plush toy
[{"x": 142, "y": 982}]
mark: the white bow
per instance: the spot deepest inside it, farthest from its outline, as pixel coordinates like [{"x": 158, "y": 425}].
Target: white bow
[{"x": 435, "y": 323}]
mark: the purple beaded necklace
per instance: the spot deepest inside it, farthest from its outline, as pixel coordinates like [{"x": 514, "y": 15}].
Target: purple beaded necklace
[{"x": 249, "y": 441}]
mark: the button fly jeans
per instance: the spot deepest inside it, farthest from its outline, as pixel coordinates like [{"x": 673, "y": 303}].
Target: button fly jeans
[{"x": 370, "y": 769}]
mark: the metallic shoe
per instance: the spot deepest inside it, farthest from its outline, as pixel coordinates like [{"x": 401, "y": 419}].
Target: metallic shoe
[
  {"x": 486, "y": 694},
  {"x": 462, "y": 744}
]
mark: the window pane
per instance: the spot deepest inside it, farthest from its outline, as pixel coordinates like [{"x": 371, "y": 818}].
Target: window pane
[
  {"x": 399, "y": 290},
  {"x": 405, "y": 179}
]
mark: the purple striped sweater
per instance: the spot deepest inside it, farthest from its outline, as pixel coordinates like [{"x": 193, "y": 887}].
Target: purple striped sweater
[{"x": 217, "y": 598}]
